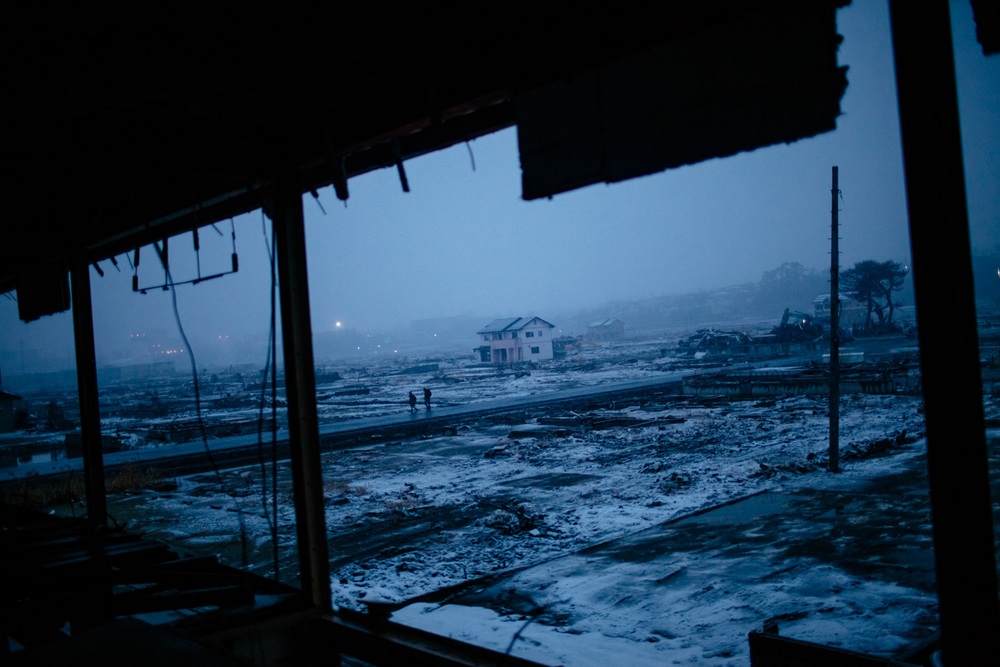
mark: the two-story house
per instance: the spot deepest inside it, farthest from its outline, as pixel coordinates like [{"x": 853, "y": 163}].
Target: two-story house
[
  {"x": 516, "y": 339},
  {"x": 852, "y": 311}
]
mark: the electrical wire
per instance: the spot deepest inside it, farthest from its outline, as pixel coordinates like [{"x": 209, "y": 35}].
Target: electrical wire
[
  {"x": 270, "y": 365},
  {"x": 197, "y": 400},
  {"x": 472, "y": 158}
]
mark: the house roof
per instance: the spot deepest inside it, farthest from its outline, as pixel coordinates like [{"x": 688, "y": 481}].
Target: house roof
[
  {"x": 604, "y": 323},
  {"x": 512, "y": 324},
  {"x": 497, "y": 326},
  {"x": 826, "y": 297}
]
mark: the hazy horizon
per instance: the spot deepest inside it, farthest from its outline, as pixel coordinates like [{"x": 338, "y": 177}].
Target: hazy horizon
[{"x": 463, "y": 243}]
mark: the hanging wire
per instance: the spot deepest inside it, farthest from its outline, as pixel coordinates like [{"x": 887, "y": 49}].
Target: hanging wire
[
  {"x": 236, "y": 258},
  {"x": 472, "y": 158},
  {"x": 135, "y": 270},
  {"x": 197, "y": 399},
  {"x": 162, "y": 251},
  {"x": 315, "y": 195},
  {"x": 197, "y": 250}
]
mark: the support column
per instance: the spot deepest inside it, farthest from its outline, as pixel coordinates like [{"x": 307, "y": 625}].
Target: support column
[
  {"x": 949, "y": 346},
  {"x": 86, "y": 382},
  {"x": 300, "y": 387},
  {"x": 834, "y": 327}
]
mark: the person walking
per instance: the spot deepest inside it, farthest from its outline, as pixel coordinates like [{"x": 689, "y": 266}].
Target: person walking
[
  {"x": 413, "y": 402},
  {"x": 427, "y": 398}
]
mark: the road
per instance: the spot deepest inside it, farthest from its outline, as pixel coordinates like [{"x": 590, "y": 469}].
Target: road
[{"x": 198, "y": 456}]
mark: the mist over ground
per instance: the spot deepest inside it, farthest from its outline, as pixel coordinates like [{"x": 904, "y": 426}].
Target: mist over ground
[{"x": 390, "y": 269}]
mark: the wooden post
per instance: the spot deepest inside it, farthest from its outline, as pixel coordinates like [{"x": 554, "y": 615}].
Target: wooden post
[
  {"x": 958, "y": 467},
  {"x": 834, "y": 329},
  {"x": 300, "y": 384},
  {"x": 86, "y": 381}
]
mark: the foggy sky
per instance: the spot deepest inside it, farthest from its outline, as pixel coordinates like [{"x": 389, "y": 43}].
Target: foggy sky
[{"x": 462, "y": 242}]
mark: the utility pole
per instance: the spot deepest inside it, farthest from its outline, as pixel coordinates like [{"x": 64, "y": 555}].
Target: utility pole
[{"x": 834, "y": 330}]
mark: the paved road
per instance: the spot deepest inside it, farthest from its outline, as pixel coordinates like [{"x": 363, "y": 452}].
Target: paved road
[{"x": 238, "y": 450}]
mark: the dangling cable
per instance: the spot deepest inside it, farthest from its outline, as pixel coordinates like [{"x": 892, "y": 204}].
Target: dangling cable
[
  {"x": 197, "y": 251},
  {"x": 472, "y": 158},
  {"x": 315, "y": 195},
  {"x": 135, "y": 271},
  {"x": 398, "y": 156},
  {"x": 162, "y": 252},
  {"x": 236, "y": 259}
]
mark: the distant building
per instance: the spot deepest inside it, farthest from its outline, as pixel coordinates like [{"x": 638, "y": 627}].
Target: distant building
[
  {"x": 515, "y": 339},
  {"x": 852, "y": 311},
  {"x": 612, "y": 329},
  {"x": 133, "y": 371},
  {"x": 7, "y": 411}
]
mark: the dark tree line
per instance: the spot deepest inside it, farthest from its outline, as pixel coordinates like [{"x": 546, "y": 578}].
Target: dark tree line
[
  {"x": 874, "y": 283},
  {"x": 790, "y": 283}
]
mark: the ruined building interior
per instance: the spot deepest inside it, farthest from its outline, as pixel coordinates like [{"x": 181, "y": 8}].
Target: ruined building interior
[{"x": 124, "y": 132}]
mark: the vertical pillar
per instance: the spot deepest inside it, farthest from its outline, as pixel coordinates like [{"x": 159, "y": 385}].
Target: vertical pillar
[
  {"x": 300, "y": 386},
  {"x": 834, "y": 328},
  {"x": 958, "y": 467},
  {"x": 86, "y": 381}
]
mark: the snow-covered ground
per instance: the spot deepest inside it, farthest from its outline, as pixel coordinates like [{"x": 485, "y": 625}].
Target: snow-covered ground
[{"x": 514, "y": 507}]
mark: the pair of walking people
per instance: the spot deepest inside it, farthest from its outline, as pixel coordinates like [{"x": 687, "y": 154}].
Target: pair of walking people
[{"x": 427, "y": 400}]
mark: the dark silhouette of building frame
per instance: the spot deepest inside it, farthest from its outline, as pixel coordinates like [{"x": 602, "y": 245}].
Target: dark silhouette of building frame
[{"x": 122, "y": 135}]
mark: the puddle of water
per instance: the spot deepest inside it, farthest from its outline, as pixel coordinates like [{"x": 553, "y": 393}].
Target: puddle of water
[{"x": 742, "y": 511}]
